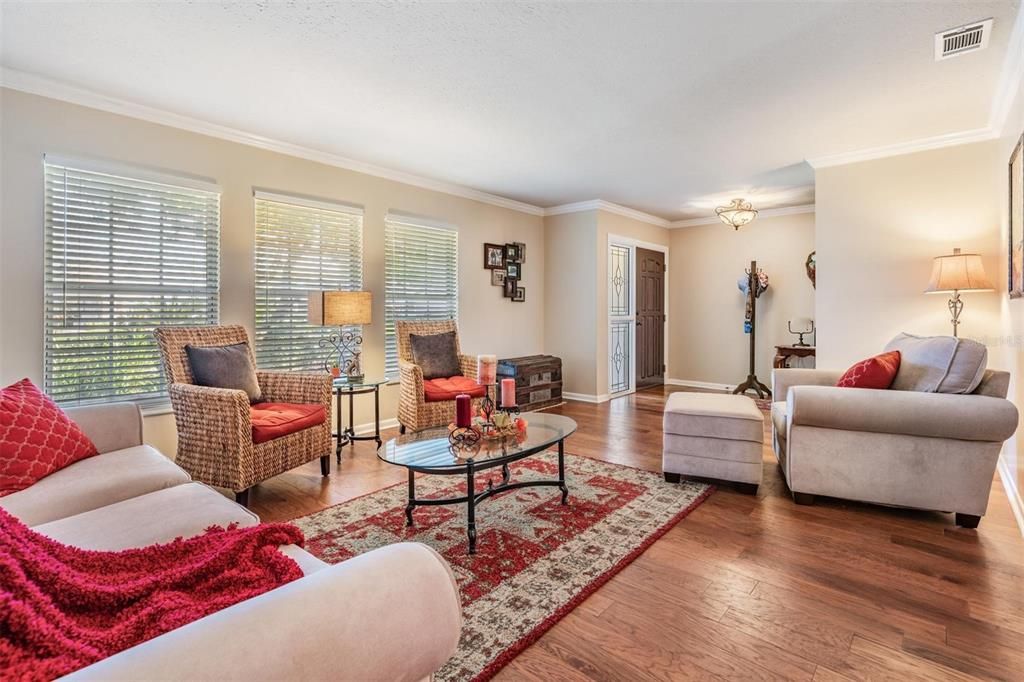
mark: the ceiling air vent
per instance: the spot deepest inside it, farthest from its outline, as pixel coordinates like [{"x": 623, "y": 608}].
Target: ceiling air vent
[{"x": 962, "y": 39}]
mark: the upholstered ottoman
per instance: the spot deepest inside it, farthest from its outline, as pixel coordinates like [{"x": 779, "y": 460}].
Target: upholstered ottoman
[{"x": 713, "y": 435}]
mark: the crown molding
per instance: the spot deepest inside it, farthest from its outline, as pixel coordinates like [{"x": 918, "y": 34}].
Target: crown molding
[
  {"x": 763, "y": 213},
  {"x": 602, "y": 205},
  {"x": 46, "y": 87},
  {"x": 901, "y": 148},
  {"x": 1010, "y": 78}
]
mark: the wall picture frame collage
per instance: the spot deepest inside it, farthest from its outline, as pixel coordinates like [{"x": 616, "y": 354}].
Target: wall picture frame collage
[{"x": 505, "y": 261}]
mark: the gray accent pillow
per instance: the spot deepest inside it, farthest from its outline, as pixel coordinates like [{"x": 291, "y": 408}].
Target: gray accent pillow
[
  {"x": 436, "y": 355},
  {"x": 225, "y": 367},
  {"x": 938, "y": 364}
]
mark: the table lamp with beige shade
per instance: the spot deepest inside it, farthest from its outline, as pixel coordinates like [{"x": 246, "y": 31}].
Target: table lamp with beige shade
[
  {"x": 339, "y": 309},
  {"x": 958, "y": 273}
]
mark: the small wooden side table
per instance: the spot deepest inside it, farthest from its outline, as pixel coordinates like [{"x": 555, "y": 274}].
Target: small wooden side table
[
  {"x": 347, "y": 434},
  {"x": 784, "y": 352}
]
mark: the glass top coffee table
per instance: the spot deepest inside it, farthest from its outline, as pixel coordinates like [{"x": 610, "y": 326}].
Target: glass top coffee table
[{"x": 429, "y": 452}]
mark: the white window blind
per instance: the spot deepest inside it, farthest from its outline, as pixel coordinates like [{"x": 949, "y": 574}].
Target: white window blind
[
  {"x": 301, "y": 246},
  {"x": 123, "y": 255},
  {"x": 421, "y": 277}
]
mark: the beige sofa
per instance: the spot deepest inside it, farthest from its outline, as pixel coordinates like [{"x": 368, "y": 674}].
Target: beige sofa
[
  {"x": 390, "y": 614},
  {"x": 902, "y": 448}
]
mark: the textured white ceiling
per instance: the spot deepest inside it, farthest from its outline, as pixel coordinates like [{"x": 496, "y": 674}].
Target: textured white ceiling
[{"x": 661, "y": 107}]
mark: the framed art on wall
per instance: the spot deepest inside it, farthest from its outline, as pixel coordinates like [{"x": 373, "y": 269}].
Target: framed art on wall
[
  {"x": 1016, "y": 268},
  {"x": 512, "y": 270},
  {"x": 520, "y": 295},
  {"x": 494, "y": 256},
  {"x": 497, "y": 277},
  {"x": 510, "y": 288},
  {"x": 512, "y": 252}
]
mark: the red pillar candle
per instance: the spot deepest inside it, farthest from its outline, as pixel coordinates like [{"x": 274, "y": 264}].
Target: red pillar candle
[
  {"x": 463, "y": 411},
  {"x": 508, "y": 392}
]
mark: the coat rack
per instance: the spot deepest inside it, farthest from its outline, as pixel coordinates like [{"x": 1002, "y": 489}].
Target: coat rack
[{"x": 752, "y": 382}]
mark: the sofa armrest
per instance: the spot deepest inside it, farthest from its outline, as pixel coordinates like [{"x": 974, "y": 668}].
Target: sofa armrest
[
  {"x": 785, "y": 378},
  {"x": 390, "y": 614},
  {"x": 932, "y": 415},
  {"x": 312, "y": 388},
  {"x": 113, "y": 426}
]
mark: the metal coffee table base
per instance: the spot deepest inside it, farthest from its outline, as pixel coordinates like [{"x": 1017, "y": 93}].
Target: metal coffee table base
[{"x": 473, "y": 498}]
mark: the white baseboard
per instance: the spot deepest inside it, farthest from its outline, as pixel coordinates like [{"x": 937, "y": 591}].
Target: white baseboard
[
  {"x": 700, "y": 384},
  {"x": 1012, "y": 492},
  {"x": 586, "y": 397},
  {"x": 363, "y": 429}
]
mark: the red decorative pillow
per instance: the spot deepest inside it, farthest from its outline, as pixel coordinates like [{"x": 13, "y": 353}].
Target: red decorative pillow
[
  {"x": 36, "y": 437},
  {"x": 876, "y": 372}
]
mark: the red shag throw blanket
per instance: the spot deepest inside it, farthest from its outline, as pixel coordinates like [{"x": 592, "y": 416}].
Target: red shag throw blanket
[{"x": 63, "y": 608}]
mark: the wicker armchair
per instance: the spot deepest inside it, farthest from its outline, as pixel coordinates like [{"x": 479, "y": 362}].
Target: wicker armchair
[
  {"x": 215, "y": 440},
  {"x": 415, "y": 412}
]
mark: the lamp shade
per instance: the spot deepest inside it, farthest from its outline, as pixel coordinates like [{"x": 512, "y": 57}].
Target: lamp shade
[
  {"x": 337, "y": 308},
  {"x": 958, "y": 272}
]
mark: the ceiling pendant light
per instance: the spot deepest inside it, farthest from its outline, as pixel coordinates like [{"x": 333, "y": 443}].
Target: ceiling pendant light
[{"x": 737, "y": 214}]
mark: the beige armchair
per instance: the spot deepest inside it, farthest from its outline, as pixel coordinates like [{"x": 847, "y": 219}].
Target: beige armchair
[
  {"x": 215, "y": 427},
  {"x": 415, "y": 411},
  {"x": 933, "y": 451}
]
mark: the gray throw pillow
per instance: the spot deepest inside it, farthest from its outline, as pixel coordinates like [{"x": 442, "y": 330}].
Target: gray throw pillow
[
  {"x": 225, "y": 367},
  {"x": 938, "y": 364},
  {"x": 436, "y": 355}
]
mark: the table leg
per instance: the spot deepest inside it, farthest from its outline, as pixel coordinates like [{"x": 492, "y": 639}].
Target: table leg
[
  {"x": 352, "y": 418},
  {"x": 376, "y": 415},
  {"x": 412, "y": 497},
  {"x": 561, "y": 472},
  {"x": 341, "y": 431},
  {"x": 471, "y": 510}
]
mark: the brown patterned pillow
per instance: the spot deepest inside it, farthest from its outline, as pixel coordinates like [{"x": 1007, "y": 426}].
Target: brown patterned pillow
[
  {"x": 225, "y": 367},
  {"x": 436, "y": 355}
]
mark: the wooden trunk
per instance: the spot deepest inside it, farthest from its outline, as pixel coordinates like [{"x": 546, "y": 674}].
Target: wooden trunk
[{"x": 538, "y": 380}]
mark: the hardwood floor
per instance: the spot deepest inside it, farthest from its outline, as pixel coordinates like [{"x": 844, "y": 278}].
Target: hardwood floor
[{"x": 758, "y": 587}]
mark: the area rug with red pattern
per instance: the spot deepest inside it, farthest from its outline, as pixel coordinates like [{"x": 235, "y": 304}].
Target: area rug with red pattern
[{"x": 536, "y": 559}]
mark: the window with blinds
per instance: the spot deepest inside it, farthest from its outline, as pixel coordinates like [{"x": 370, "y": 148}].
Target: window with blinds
[
  {"x": 123, "y": 255},
  {"x": 421, "y": 276},
  {"x": 301, "y": 246}
]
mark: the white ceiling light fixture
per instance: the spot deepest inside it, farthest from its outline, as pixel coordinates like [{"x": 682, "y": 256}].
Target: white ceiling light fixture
[{"x": 736, "y": 214}]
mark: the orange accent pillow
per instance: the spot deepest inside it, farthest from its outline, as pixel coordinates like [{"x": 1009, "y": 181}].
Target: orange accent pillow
[
  {"x": 876, "y": 372},
  {"x": 273, "y": 420},
  {"x": 36, "y": 437},
  {"x": 436, "y": 390}
]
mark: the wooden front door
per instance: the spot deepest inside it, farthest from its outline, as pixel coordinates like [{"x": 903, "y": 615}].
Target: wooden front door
[{"x": 650, "y": 318}]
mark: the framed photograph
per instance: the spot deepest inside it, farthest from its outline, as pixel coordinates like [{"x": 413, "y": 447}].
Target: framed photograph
[
  {"x": 512, "y": 270},
  {"x": 510, "y": 288},
  {"x": 512, "y": 252},
  {"x": 522, "y": 251},
  {"x": 494, "y": 256},
  {"x": 497, "y": 277},
  {"x": 1016, "y": 274},
  {"x": 520, "y": 295}
]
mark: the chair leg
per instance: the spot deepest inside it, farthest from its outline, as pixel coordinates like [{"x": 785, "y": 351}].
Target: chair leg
[
  {"x": 325, "y": 465},
  {"x": 967, "y": 520},
  {"x": 747, "y": 488},
  {"x": 401, "y": 429},
  {"x": 803, "y": 498},
  {"x": 242, "y": 497}
]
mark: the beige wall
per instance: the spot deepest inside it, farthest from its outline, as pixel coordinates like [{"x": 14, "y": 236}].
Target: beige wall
[
  {"x": 570, "y": 312},
  {"x": 879, "y": 224},
  {"x": 708, "y": 343},
  {"x": 1007, "y": 348},
  {"x": 32, "y": 126}
]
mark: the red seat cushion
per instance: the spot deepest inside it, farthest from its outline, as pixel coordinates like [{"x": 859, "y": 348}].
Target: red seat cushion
[
  {"x": 36, "y": 437},
  {"x": 436, "y": 390},
  {"x": 273, "y": 420},
  {"x": 876, "y": 372}
]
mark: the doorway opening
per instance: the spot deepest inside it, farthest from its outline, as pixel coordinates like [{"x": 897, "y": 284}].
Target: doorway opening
[{"x": 637, "y": 314}]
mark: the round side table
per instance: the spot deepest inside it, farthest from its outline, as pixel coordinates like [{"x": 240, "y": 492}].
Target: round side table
[{"x": 346, "y": 387}]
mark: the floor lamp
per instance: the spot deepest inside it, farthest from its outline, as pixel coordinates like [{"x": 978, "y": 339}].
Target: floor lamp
[{"x": 955, "y": 274}]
